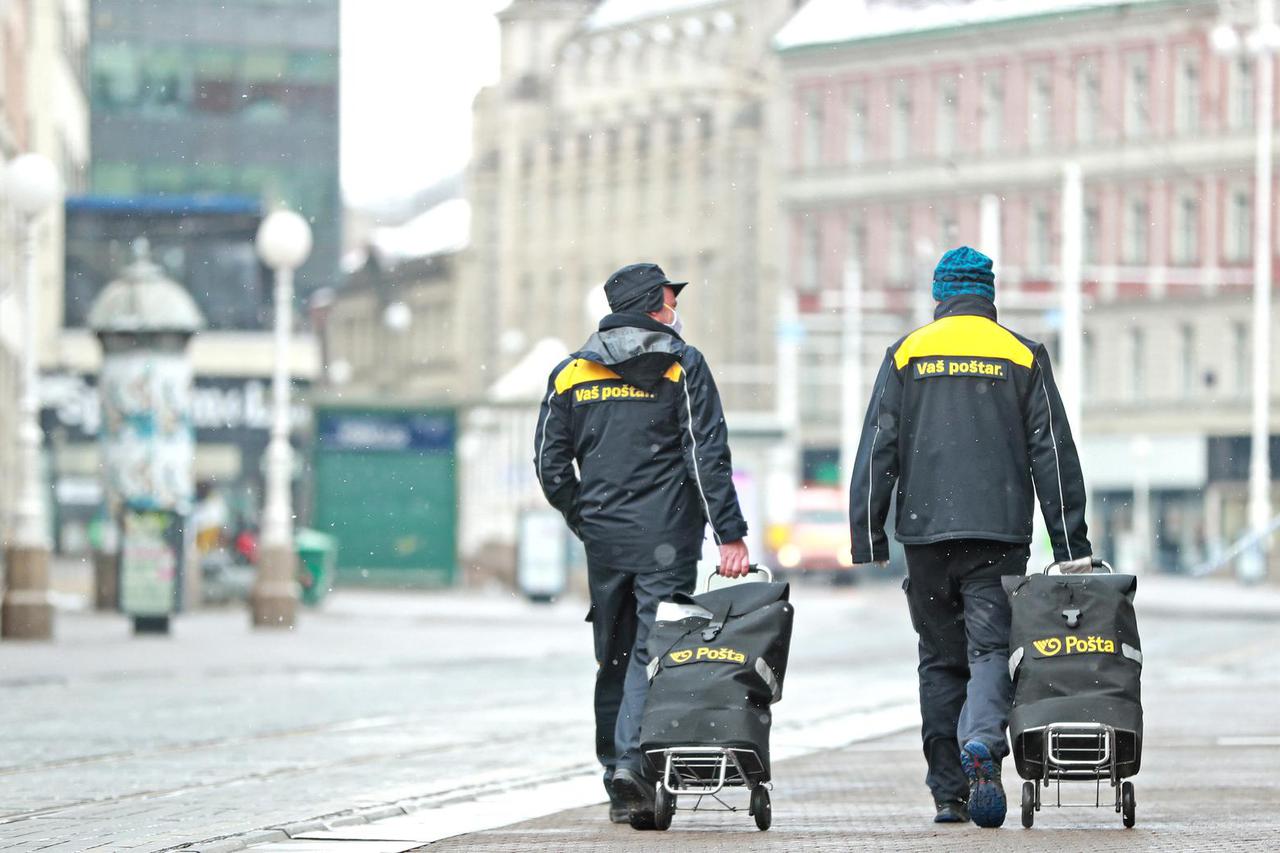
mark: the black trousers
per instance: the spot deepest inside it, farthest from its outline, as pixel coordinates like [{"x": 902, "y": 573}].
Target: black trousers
[
  {"x": 623, "y": 605},
  {"x": 961, "y": 614}
]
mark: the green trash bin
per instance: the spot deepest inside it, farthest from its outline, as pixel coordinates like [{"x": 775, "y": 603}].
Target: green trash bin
[{"x": 317, "y": 561}]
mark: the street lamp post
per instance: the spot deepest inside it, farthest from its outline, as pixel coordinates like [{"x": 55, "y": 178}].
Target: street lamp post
[
  {"x": 1072, "y": 302},
  {"x": 1262, "y": 41},
  {"x": 283, "y": 242},
  {"x": 27, "y": 612},
  {"x": 852, "y": 397}
]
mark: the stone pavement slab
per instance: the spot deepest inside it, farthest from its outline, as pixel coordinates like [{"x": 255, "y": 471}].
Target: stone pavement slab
[{"x": 1193, "y": 795}]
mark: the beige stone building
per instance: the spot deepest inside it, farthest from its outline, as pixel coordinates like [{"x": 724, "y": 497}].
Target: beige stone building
[
  {"x": 43, "y": 109},
  {"x": 621, "y": 132}
]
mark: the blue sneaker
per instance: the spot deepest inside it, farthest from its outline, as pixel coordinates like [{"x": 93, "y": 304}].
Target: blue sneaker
[{"x": 987, "y": 805}]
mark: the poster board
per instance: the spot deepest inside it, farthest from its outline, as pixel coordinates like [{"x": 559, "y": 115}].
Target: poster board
[{"x": 150, "y": 562}]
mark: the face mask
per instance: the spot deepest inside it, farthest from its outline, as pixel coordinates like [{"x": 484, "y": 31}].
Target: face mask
[{"x": 675, "y": 325}]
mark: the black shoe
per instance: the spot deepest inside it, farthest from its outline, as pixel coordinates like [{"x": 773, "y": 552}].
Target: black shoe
[
  {"x": 637, "y": 793},
  {"x": 951, "y": 811},
  {"x": 618, "y": 811}
]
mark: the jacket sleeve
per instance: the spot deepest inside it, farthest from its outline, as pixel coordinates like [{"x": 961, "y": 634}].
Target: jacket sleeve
[
  {"x": 553, "y": 453},
  {"x": 1055, "y": 465},
  {"x": 706, "y": 443},
  {"x": 875, "y": 470}
]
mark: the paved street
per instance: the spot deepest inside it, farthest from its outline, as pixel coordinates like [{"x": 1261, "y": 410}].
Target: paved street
[{"x": 460, "y": 713}]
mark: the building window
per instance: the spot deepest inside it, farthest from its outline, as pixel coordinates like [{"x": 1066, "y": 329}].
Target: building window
[
  {"x": 948, "y": 230},
  {"x": 992, "y": 112},
  {"x": 1137, "y": 364},
  {"x": 948, "y": 118},
  {"x": 1137, "y": 221},
  {"x": 810, "y": 259},
  {"x": 1187, "y": 343},
  {"x": 1038, "y": 246},
  {"x": 1186, "y": 230},
  {"x": 855, "y": 141},
  {"x": 1092, "y": 234},
  {"x": 1039, "y": 109},
  {"x": 857, "y": 244},
  {"x": 899, "y": 250},
  {"x": 1241, "y": 354},
  {"x": 1240, "y": 93},
  {"x": 1137, "y": 98},
  {"x": 1239, "y": 225},
  {"x": 813, "y": 121},
  {"x": 1088, "y": 366},
  {"x": 1186, "y": 104},
  {"x": 1088, "y": 102},
  {"x": 902, "y": 121}
]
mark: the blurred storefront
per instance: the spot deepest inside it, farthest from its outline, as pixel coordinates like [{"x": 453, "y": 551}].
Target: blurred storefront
[
  {"x": 385, "y": 486},
  {"x": 232, "y": 420}
]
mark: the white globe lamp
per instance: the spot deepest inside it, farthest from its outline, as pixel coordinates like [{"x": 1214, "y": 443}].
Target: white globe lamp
[
  {"x": 284, "y": 240},
  {"x": 33, "y": 184}
]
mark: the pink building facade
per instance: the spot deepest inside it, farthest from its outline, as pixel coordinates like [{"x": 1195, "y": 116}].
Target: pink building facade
[
  {"x": 896, "y": 121},
  {"x": 893, "y": 140}
]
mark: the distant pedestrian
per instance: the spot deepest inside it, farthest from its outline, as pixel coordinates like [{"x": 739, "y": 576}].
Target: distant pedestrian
[
  {"x": 966, "y": 428},
  {"x": 637, "y": 410}
]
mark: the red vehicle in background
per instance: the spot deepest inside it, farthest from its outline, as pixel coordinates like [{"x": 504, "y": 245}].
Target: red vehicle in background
[{"x": 816, "y": 543}]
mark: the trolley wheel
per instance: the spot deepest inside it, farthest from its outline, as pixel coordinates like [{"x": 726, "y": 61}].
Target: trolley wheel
[
  {"x": 1028, "y": 804},
  {"x": 1129, "y": 804},
  {"x": 761, "y": 808},
  {"x": 643, "y": 821},
  {"x": 664, "y": 808}
]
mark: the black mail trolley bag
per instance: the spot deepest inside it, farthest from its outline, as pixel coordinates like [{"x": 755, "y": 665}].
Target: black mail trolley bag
[
  {"x": 1076, "y": 663},
  {"x": 717, "y": 663}
]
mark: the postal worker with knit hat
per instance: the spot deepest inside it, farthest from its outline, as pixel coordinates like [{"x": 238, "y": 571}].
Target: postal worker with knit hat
[{"x": 966, "y": 429}]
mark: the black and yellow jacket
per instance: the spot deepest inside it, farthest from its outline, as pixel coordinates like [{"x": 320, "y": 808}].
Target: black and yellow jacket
[
  {"x": 965, "y": 420},
  {"x": 637, "y": 410}
]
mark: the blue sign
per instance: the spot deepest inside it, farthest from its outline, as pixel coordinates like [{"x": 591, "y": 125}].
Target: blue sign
[{"x": 389, "y": 432}]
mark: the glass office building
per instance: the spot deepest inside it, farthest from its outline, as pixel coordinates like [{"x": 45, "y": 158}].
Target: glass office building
[
  {"x": 232, "y": 98},
  {"x": 205, "y": 242}
]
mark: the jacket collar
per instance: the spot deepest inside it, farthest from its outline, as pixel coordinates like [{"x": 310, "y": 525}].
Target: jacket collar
[
  {"x": 636, "y": 347},
  {"x": 636, "y": 320},
  {"x": 966, "y": 304}
]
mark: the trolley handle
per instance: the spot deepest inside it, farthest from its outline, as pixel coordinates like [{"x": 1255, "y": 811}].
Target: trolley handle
[
  {"x": 753, "y": 568},
  {"x": 1096, "y": 563}
]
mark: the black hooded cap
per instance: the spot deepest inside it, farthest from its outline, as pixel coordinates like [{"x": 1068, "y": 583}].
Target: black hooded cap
[{"x": 638, "y": 287}]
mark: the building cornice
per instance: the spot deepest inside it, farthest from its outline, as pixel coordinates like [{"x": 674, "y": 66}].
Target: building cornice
[
  {"x": 1158, "y": 160},
  {"x": 988, "y": 28}
]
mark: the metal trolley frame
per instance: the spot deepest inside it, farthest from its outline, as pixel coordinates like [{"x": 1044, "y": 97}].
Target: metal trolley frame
[
  {"x": 705, "y": 771},
  {"x": 1078, "y": 752}
]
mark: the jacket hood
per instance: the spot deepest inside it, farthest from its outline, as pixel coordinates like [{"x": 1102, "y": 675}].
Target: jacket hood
[
  {"x": 966, "y": 304},
  {"x": 635, "y": 346}
]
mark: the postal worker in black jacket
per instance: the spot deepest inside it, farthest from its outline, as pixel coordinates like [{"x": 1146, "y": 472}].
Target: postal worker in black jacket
[
  {"x": 966, "y": 428},
  {"x": 638, "y": 412}
]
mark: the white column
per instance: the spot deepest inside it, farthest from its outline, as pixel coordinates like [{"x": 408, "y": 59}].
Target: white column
[
  {"x": 1072, "y": 311},
  {"x": 989, "y": 230},
  {"x": 277, "y": 520},
  {"x": 30, "y": 525},
  {"x": 853, "y": 402},
  {"x": 1259, "y": 466},
  {"x": 785, "y": 473}
]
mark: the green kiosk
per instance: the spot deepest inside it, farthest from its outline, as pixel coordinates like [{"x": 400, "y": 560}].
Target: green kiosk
[{"x": 385, "y": 487}]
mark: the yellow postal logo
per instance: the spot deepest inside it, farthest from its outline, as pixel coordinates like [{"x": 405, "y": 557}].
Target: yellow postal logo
[
  {"x": 1048, "y": 647},
  {"x": 704, "y": 653}
]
